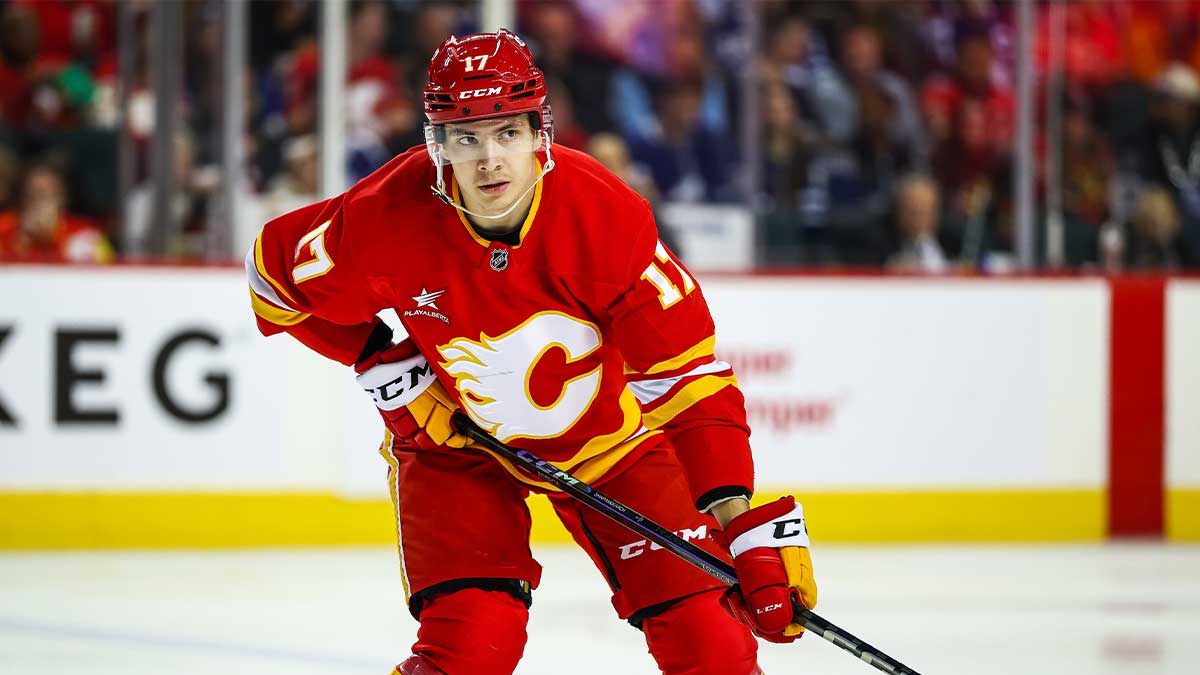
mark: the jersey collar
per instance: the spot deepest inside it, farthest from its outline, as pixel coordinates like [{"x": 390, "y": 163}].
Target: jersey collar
[{"x": 533, "y": 209}]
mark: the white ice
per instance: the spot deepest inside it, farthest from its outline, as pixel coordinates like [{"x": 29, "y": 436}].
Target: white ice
[{"x": 1038, "y": 610}]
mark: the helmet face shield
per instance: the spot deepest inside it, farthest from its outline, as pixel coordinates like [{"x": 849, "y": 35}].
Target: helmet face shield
[{"x": 500, "y": 138}]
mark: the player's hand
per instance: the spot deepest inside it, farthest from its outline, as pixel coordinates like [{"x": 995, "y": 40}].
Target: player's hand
[
  {"x": 769, "y": 545},
  {"x": 414, "y": 405}
]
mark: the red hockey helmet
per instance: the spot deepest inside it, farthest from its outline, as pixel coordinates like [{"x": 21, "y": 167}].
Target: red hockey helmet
[{"x": 484, "y": 75}]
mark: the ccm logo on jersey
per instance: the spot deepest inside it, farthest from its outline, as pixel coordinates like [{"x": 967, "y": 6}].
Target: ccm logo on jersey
[
  {"x": 479, "y": 93},
  {"x": 769, "y": 608},
  {"x": 639, "y": 547}
]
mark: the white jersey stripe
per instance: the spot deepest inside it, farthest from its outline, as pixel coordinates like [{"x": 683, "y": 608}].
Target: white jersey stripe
[
  {"x": 260, "y": 286},
  {"x": 648, "y": 391}
]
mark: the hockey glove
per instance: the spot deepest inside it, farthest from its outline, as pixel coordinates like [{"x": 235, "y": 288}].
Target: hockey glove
[
  {"x": 414, "y": 405},
  {"x": 769, "y": 545}
]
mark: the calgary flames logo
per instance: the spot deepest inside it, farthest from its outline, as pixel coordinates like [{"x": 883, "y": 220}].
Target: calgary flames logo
[{"x": 493, "y": 375}]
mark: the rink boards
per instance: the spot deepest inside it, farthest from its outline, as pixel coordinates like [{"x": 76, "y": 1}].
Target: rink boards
[{"x": 139, "y": 406}]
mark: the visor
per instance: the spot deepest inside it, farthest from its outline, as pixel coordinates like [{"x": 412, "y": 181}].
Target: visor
[{"x": 458, "y": 144}]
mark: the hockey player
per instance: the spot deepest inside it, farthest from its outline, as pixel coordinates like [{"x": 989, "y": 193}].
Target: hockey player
[{"x": 538, "y": 299}]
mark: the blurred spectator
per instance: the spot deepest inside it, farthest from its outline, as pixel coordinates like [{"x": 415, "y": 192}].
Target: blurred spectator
[
  {"x": 1091, "y": 53},
  {"x": 788, "y": 144},
  {"x": 897, "y": 19},
  {"x": 796, "y": 57},
  {"x": 1155, "y": 233},
  {"x": 372, "y": 97},
  {"x": 567, "y": 130},
  {"x": 632, "y": 105},
  {"x": 20, "y": 66},
  {"x": 1086, "y": 163},
  {"x": 50, "y": 55},
  {"x": 297, "y": 185},
  {"x": 10, "y": 176},
  {"x": 948, "y": 23},
  {"x": 612, "y": 153},
  {"x": 42, "y": 227},
  {"x": 689, "y": 161},
  {"x": 80, "y": 31},
  {"x": 278, "y": 28},
  {"x": 1172, "y": 158},
  {"x": 862, "y": 68},
  {"x": 916, "y": 220},
  {"x": 1087, "y": 182},
  {"x": 188, "y": 208},
  {"x": 1158, "y": 33},
  {"x": 970, "y": 121},
  {"x": 554, "y": 28}
]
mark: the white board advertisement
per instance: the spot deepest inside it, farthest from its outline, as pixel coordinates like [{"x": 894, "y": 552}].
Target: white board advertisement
[
  {"x": 156, "y": 379},
  {"x": 917, "y": 383}
]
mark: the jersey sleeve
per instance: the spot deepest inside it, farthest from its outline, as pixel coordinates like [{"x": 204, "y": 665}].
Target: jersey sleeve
[
  {"x": 306, "y": 280},
  {"x": 662, "y": 325}
]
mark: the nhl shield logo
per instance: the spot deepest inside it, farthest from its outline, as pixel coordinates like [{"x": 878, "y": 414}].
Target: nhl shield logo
[{"x": 499, "y": 260}]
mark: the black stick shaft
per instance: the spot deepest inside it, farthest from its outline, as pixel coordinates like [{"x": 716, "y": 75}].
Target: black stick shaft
[{"x": 689, "y": 552}]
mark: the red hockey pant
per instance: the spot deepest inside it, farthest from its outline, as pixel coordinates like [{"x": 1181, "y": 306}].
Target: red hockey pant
[{"x": 461, "y": 516}]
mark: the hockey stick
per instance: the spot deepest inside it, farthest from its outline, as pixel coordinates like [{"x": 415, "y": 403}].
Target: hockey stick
[{"x": 656, "y": 533}]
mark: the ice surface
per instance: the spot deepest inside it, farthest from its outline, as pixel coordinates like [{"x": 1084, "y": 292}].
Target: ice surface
[{"x": 984, "y": 610}]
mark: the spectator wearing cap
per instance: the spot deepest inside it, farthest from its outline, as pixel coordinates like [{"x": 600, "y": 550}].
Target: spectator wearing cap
[
  {"x": 1172, "y": 153},
  {"x": 42, "y": 228}
]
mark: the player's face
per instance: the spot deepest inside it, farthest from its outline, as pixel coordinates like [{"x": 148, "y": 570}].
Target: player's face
[{"x": 493, "y": 159}]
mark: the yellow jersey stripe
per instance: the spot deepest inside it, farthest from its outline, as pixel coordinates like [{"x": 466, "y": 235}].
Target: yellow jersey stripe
[
  {"x": 385, "y": 449},
  {"x": 632, "y": 411},
  {"x": 686, "y": 397},
  {"x": 276, "y": 315},
  {"x": 705, "y": 347}
]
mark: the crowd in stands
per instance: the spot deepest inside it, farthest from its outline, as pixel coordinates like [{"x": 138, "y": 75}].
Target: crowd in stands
[
  {"x": 57, "y": 150},
  {"x": 885, "y": 128}
]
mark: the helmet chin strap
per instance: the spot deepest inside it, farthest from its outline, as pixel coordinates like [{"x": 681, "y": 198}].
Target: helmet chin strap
[{"x": 439, "y": 190}]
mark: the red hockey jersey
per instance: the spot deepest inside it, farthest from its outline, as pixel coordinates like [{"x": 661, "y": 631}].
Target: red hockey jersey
[{"x": 578, "y": 344}]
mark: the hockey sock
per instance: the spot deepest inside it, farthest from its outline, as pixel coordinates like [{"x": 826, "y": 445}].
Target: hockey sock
[
  {"x": 471, "y": 632},
  {"x": 695, "y": 636}
]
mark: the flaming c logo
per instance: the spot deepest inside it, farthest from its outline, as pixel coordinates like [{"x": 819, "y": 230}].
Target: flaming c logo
[{"x": 493, "y": 376}]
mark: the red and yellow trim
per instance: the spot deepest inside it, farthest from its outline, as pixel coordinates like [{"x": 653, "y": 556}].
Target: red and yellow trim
[
  {"x": 385, "y": 450},
  {"x": 276, "y": 315},
  {"x": 687, "y": 396},
  {"x": 702, "y": 349}
]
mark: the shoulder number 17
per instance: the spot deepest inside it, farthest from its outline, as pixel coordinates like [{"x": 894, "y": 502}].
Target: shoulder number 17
[{"x": 668, "y": 293}]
